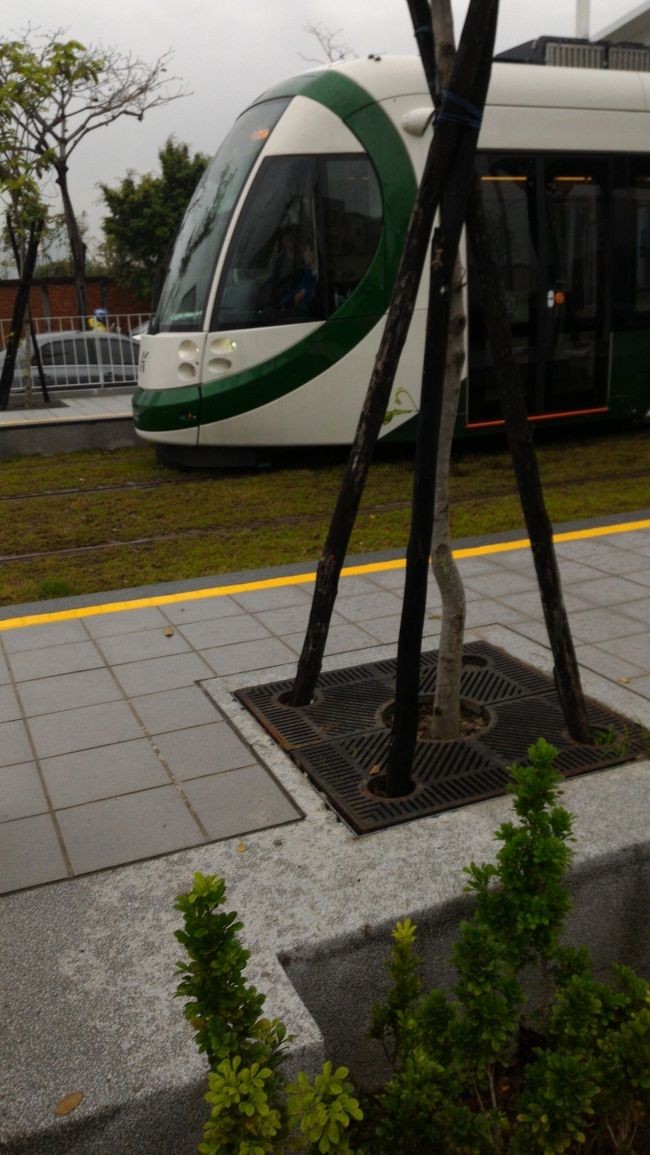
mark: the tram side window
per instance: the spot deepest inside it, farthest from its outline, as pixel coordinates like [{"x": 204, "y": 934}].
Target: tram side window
[
  {"x": 642, "y": 270},
  {"x": 631, "y": 237},
  {"x": 352, "y": 217},
  {"x": 507, "y": 190},
  {"x": 305, "y": 239},
  {"x": 638, "y": 201},
  {"x": 273, "y": 270},
  {"x": 508, "y": 193}
]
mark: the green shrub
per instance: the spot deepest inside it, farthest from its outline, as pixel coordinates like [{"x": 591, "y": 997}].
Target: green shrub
[
  {"x": 224, "y": 1011},
  {"x": 473, "y": 1073},
  {"x": 254, "y": 1110}
]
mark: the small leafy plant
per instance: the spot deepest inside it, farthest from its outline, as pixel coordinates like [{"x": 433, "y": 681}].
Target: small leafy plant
[
  {"x": 480, "y": 1072},
  {"x": 617, "y": 744},
  {"x": 254, "y": 1110},
  {"x": 404, "y": 406},
  {"x": 223, "y": 1009},
  {"x": 484, "y": 1071}
]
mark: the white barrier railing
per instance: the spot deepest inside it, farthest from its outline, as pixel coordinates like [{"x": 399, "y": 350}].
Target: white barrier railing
[
  {"x": 60, "y": 353},
  {"x": 121, "y": 322}
]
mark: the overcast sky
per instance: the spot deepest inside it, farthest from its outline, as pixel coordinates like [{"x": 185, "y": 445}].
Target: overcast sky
[{"x": 228, "y": 51}]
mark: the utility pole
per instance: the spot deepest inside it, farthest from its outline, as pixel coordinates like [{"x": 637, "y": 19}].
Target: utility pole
[{"x": 583, "y": 19}]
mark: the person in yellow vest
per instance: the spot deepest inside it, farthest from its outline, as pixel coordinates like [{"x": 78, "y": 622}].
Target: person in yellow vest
[{"x": 98, "y": 319}]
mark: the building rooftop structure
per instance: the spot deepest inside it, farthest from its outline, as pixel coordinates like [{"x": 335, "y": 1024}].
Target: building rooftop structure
[{"x": 633, "y": 27}]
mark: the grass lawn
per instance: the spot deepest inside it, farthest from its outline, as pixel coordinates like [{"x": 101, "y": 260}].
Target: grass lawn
[{"x": 91, "y": 521}]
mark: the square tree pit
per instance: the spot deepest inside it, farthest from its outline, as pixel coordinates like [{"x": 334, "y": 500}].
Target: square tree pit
[{"x": 341, "y": 739}]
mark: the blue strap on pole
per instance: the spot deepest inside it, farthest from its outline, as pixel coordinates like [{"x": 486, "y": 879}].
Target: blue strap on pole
[{"x": 469, "y": 114}]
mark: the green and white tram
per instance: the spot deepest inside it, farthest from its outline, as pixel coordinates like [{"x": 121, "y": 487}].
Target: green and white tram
[{"x": 273, "y": 306}]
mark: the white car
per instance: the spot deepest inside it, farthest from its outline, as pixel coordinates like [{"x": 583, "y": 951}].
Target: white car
[{"x": 78, "y": 358}]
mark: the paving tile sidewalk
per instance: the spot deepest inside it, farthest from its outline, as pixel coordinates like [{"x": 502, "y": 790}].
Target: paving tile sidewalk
[
  {"x": 83, "y": 406},
  {"x": 110, "y": 751}
]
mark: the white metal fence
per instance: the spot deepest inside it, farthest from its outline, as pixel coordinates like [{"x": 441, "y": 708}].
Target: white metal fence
[{"x": 62, "y": 353}]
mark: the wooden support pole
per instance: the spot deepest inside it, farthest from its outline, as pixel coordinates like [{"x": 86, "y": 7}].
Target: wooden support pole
[{"x": 439, "y": 160}]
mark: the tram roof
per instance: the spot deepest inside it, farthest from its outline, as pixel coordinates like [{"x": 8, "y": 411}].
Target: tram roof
[{"x": 512, "y": 84}]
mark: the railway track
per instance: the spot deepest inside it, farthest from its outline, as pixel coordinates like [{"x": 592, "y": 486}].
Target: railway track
[
  {"x": 134, "y": 486},
  {"x": 124, "y": 486},
  {"x": 244, "y": 526},
  {"x": 188, "y": 534}
]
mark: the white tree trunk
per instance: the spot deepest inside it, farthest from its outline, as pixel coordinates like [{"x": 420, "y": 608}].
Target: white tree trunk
[
  {"x": 27, "y": 365},
  {"x": 445, "y": 723},
  {"x": 446, "y": 706}
]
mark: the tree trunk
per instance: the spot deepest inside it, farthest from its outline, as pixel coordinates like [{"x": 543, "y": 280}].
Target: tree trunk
[
  {"x": 434, "y": 31},
  {"x": 446, "y": 714},
  {"x": 540, "y": 531},
  {"x": 445, "y": 719},
  {"x": 439, "y": 160},
  {"x": 30, "y": 320},
  {"x": 461, "y": 102},
  {"x": 75, "y": 239},
  {"x": 20, "y": 306}
]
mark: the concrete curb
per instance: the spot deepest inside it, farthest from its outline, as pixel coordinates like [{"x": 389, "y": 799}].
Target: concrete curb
[{"x": 67, "y": 436}]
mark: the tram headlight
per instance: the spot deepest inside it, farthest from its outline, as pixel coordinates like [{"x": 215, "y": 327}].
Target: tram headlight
[
  {"x": 221, "y": 346},
  {"x": 187, "y": 373},
  {"x": 220, "y": 354},
  {"x": 188, "y": 351},
  {"x": 218, "y": 366},
  {"x": 189, "y": 356}
]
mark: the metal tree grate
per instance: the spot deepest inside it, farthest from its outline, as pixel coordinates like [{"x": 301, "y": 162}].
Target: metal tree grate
[{"x": 341, "y": 739}]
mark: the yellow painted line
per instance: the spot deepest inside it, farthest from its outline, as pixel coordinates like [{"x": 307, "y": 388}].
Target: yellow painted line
[
  {"x": 154, "y": 600},
  {"x": 569, "y": 535},
  {"x": 298, "y": 579}
]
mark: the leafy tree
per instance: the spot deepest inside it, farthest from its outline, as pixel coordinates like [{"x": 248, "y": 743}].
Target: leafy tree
[
  {"x": 58, "y": 92},
  {"x": 145, "y": 214},
  {"x": 24, "y": 214},
  {"x": 21, "y": 166}
]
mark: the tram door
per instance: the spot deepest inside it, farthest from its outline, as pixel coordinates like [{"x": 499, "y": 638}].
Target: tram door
[
  {"x": 546, "y": 219},
  {"x": 575, "y": 353}
]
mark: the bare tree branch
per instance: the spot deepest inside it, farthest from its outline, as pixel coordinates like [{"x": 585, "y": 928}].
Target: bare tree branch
[{"x": 330, "y": 48}]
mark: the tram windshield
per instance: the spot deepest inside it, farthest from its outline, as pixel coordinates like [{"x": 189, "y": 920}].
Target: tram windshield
[{"x": 189, "y": 278}]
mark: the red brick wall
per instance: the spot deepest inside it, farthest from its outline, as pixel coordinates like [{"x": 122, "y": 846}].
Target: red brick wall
[{"x": 54, "y": 297}]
